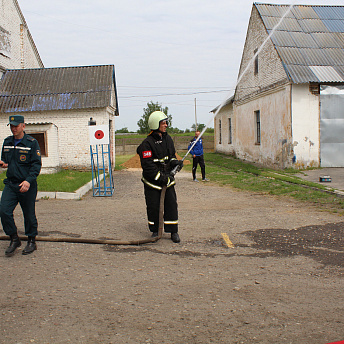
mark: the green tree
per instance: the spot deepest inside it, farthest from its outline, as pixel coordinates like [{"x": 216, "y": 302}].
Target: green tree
[
  {"x": 200, "y": 126},
  {"x": 173, "y": 130},
  {"x": 151, "y": 107},
  {"x": 122, "y": 130}
]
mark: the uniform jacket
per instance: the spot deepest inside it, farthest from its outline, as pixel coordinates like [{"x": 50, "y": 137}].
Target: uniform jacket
[
  {"x": 197, "y": 148},
  {"x": 156, "y": 153},
  {"x": 24, "y": 160}
]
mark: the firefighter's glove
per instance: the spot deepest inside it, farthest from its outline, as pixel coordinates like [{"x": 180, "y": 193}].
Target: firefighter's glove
[
  {"x": 171, "y": 178},
  {"x": 178, "y": 163},
  {"x": 163, "y": 180}
]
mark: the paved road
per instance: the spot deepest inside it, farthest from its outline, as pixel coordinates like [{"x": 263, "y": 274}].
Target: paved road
[
  {"x": 281, "y": 283},
  {"x": 336, "y": 174}
]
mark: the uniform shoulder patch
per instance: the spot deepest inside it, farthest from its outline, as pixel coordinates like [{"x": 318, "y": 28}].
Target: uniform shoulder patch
[
  {"x": 30, "y": 138},
  {"x": 147, "y": 154}
]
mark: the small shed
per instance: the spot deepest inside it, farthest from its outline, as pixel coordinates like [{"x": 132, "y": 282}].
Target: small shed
[{"x": 57, "y": 104}]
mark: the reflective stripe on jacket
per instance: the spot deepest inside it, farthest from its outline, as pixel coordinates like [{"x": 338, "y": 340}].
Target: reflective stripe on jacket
[{"x": 156, "y": 153}]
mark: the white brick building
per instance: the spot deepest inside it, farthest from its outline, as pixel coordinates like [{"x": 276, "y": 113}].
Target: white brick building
[
  {"x": 57, "y": 104},
  {"x": 288, "y": 105},
  {"x": 17, "y": 48}
]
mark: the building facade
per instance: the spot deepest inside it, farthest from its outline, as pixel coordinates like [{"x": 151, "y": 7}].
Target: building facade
[
  {"x": 281, "y": 114},
  {"x": 57, "y": 104},
  {"x": 17, "y": 48}
]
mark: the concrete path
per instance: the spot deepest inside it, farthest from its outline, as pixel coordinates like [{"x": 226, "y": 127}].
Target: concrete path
[{"x": 336, "y": 174}]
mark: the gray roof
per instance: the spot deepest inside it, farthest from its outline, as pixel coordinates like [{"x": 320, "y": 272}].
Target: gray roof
[
  {"x": 65, "y": 88},
  {"x": 309, "y": 40}
]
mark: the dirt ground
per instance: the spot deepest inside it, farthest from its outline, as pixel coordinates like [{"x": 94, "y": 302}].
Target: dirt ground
[{"x": 282, "y": 282}]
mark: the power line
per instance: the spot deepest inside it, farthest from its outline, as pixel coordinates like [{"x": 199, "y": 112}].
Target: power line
[{"x": 173, "y": 94}]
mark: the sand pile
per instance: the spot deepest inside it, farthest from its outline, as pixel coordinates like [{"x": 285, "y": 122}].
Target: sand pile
[{"x": 134, "y": 162}]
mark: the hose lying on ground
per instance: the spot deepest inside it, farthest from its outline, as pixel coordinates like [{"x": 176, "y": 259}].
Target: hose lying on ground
[{"x": 109, "y": 241}]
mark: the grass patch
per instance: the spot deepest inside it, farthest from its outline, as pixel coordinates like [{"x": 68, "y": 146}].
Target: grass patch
[
  {"x": 120, "y": 159},
  {"x": 63, "y": 181},
  {"x": 226, "y": 170}
]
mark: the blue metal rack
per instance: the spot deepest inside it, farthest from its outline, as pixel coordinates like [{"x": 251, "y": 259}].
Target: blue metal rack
[{"x": 101, "y": 169}]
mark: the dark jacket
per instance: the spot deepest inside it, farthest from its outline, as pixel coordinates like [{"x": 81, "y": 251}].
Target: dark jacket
[
  {"x": 156, "y": 154},
  {"x": 197, "y": 148},
  {"x": 24, "y": 160}
]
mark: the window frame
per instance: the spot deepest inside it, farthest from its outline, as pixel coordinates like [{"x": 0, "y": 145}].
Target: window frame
[
  {"x": 220, "y": 132},
  {"x": 230, "y": 131},
  {"x": 256, "y": 62},
  {"x": 257, "y": 119},
  {"x": 44, "y": 151}
]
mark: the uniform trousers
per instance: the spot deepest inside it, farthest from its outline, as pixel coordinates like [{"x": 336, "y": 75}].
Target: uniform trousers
[
  {"x": 152, "y": 197},
  {"x": 198, "y": 160},
  {"x": 10, "y": 198}
]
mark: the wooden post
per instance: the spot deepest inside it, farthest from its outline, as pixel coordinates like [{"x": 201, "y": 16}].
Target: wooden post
[{"x": 195, "y": 117}]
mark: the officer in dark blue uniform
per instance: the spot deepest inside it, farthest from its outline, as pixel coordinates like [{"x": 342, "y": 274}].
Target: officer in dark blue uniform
[{"x": 22, "y": 158}]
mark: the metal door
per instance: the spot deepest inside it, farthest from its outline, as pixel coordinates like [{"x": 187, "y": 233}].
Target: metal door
[{"x": 332, "y": 126}]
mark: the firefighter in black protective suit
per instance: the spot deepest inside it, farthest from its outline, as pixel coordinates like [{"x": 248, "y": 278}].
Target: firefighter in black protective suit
[{"x": 158, "y": 158}]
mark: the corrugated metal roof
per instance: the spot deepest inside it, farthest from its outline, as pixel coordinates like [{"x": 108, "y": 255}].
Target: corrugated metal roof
[
  {"x": 313, "y": 25},
  {"x": 303, "y": 40},
  {"x": 309, "y": 36},
  {"x": 291, "y": 56},
  {"x": 325, "y": 40},
  {"x": 334, "y": 25},
  {"x": 299, "y": 73},
  {"x": 282, "y": 39},
  {"x": 303, "y": 12},
  {"x": 329, "y": 12},
  {"x": 24, "y": 90},
  {"x": 326, "y": 74}
]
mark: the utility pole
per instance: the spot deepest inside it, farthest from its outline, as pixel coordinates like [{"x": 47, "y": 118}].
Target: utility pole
[{"x": 195, "y": 116}]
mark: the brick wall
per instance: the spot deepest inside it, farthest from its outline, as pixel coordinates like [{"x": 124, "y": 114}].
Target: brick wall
[
  {"x": 23, "y": 53},
  {"x": 271, "y": 70},
  {"x": 67, "y": 135}
]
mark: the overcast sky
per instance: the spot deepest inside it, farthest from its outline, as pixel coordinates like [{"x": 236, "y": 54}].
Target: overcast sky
[{"x": 165, "y": 51}]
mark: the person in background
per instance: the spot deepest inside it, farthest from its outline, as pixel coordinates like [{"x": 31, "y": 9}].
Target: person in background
[
  {"x": 197, "y": 157},
  {"x": 22, "y": 158},
  {"x": 158, "y": 158}
]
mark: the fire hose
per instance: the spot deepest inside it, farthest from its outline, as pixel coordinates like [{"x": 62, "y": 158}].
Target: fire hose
[{"x": 110, "y": 241}]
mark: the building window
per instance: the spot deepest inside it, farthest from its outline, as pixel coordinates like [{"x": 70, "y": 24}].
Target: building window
[
  {"x": 42, "y": 141},
  {"x": 229, "y": 131},
  {"x": 257, "y": 119},
  {"x": 256, "y": 64},
  {"x": 220, "y": 133}
]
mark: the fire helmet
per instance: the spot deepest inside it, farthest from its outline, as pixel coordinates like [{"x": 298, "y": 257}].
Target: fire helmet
[{"x": 155, "y": 118}]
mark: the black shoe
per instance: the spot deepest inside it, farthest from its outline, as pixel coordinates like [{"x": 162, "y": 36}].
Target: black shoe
[
  {"x": 30, "y": 246},
  {"x": 155, "y": 234},
  {"x": 15, "y": 242},
  {"x": 175, "y": 237}
]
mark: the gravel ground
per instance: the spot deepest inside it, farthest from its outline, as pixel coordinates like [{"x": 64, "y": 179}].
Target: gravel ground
[{"x": 282, "y": 282}]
